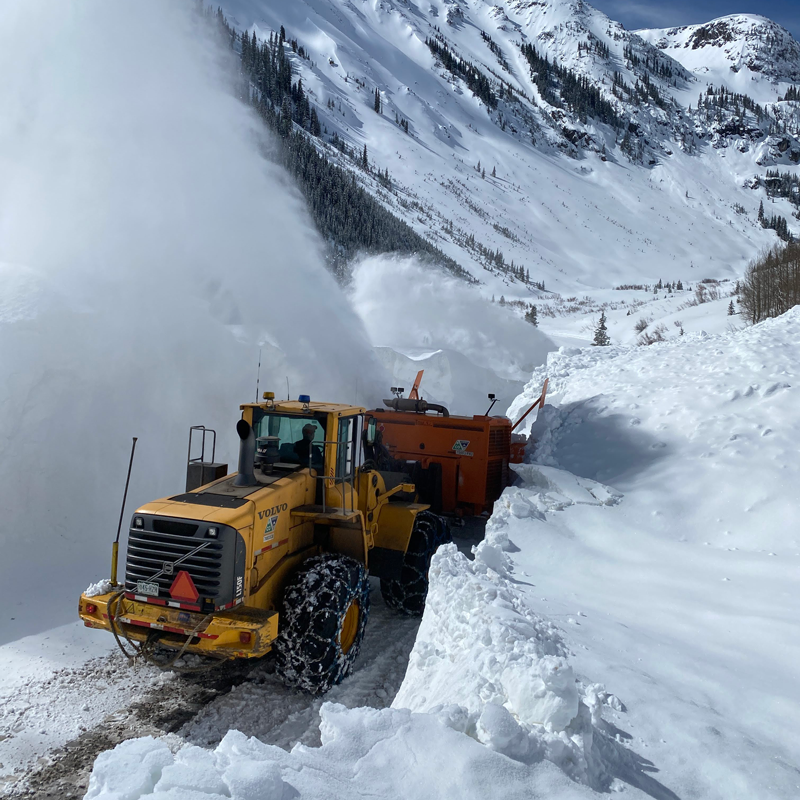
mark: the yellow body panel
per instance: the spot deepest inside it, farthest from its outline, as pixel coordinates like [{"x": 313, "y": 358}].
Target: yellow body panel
[{"x": 395, "y": 523}]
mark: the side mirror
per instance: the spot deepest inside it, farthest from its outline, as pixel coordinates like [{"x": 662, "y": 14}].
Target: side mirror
[{"x": 372, "y": 430}]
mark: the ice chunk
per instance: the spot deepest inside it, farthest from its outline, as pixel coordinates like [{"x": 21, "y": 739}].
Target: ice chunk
[
  {"x": 129, "y": 770},
  {"x": 101, "y": 587}
]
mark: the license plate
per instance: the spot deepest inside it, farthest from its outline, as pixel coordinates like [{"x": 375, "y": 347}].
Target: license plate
[{"x": 150, "y": 589}]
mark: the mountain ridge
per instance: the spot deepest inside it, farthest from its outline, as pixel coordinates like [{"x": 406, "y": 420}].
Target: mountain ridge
[{"x": 565, "y": 200}]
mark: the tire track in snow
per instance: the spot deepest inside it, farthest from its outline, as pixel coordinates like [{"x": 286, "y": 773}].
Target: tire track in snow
[
  {"x": 262, "y": 706},
  {"x": 247, "y": 696}
]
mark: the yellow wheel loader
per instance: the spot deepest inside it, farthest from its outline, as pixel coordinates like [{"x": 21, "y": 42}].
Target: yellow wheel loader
[{"x": 277, "y": 555}]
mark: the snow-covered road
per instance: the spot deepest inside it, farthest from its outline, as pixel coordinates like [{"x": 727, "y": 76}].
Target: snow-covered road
[{"x": 64, "y": 698}]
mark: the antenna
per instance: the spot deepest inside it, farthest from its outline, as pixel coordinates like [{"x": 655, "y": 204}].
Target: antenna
[
  {"x": 288, "y": 395},
  {"x": 115, "y": 546},
  {"x": 258, "y": 375}
]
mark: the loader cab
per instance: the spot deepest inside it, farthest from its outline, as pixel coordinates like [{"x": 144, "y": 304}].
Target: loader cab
[{"x": 335, "y": 446}]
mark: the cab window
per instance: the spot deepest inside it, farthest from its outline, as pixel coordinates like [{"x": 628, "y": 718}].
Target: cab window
[
  {"x": 346, "y": 447},
  {"x": 301, "y": 438}
]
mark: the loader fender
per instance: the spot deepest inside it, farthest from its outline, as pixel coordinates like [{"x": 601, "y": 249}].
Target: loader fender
[{"x": 392, "y": 537}]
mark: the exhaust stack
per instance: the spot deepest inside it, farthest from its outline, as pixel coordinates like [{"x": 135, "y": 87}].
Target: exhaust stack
[
  {"x": 418, "y": 406},
  {"x": 247, "y": 455}
]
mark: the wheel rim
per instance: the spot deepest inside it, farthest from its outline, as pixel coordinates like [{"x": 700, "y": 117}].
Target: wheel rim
[{"x": 347, "y": 635}]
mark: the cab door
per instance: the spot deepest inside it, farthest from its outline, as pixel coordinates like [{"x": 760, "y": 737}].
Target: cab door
[{"x": 344, "y": 459}]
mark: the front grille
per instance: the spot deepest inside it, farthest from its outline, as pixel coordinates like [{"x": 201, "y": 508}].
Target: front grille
[
  {"x": 496, "y": 479},
  {"x": 500, "y": 441},
  {"x": 164, "y": 541}
]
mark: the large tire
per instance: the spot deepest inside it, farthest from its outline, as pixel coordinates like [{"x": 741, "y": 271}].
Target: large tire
[
  {"x": 325, "y": 611},
  {"x": 407, "y": 594}
]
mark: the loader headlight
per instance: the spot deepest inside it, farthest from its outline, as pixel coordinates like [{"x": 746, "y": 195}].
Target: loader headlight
[
  {"x": 212, "y": 533},
  {"x": 138, "y": 522}
]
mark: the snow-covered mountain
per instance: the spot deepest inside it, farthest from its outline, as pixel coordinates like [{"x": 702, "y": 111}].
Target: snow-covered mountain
[
  {"x": 744, "y": 52},
  {"x": 545, "y": 134}
]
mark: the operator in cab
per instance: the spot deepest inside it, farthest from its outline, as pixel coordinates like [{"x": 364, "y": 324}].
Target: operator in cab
[{"x": 308, "y": 454}]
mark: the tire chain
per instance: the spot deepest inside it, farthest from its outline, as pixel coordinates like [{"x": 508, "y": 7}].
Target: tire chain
[
  {"x": 308, "y": 653},
  {"x": 407, "y": 595}
]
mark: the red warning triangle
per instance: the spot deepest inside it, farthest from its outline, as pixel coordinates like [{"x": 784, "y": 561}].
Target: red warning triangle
[{"x": 183, "y": 588}]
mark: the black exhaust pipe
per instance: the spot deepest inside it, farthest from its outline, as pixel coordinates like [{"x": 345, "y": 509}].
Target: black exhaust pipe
[
  {"x": 247, "y": 455},
  {"x": 418, "y": 406}
]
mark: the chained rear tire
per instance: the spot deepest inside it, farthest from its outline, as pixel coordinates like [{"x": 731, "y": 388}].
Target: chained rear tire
[
  {"x": 407, "y": 594},
  {"x": 325, "y": 611}
]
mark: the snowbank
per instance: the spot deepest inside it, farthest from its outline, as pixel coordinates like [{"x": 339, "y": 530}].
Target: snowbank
[
  {"x": 497, "y": 669},
  {"x": 683, "y": 595},
  {"x": 391, "y": 753}
]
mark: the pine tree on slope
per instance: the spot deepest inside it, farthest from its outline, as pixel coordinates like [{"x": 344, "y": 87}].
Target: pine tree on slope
[{"x": 601, "y": 337}]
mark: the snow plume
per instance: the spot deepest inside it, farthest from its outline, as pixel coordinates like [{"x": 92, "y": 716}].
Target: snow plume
[
  {"x": 157, "y": 252},
  {"x": 405, "y": 304}
]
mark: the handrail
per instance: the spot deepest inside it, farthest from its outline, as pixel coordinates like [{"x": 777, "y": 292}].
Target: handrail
[
  {"x": 343, "y": 480},
  {"x": 202, "y": 457}
]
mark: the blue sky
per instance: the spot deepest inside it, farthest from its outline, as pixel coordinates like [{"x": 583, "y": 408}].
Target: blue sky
[{"x": 668, "y": 13}]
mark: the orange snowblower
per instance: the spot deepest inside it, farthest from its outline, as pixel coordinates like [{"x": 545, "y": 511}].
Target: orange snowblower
[{"x": 459, "y": 465}]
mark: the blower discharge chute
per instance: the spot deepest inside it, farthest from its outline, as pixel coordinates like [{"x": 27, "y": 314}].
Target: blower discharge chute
[{"x": 277, "y": 555}]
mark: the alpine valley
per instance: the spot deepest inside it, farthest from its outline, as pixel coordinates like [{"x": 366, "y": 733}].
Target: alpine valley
[{"x": 539, "y": 144}]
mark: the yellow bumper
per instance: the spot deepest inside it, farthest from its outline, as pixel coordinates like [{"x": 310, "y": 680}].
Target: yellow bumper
[{"x": 239, "y": 633}]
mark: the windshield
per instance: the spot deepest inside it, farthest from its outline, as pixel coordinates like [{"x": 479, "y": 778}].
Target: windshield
[{"x": 300, "y": 438}]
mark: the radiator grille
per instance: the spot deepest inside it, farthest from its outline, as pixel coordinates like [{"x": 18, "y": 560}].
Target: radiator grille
[
  {"x": 165, "y": 543},
  {"x": 499, "y": 441},
  {"x": 496, "y": 479}
]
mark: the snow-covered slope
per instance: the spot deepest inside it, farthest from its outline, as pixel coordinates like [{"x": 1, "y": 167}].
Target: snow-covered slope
[
  {"x": 746, "y": 53},
  {"x": 574, "y": 202}
]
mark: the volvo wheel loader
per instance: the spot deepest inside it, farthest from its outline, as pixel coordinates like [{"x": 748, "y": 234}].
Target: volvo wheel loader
[{"x": 275, "y": 556}]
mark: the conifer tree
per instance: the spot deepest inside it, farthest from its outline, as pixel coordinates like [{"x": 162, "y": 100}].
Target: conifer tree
[
  {"x": 365, "y": 159},
  {"x": 731, "y": 309},
  {"x": 532, "y": 316},
  {"x": 316, "y": 128},
  {"x": 601, "y": 337}
]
